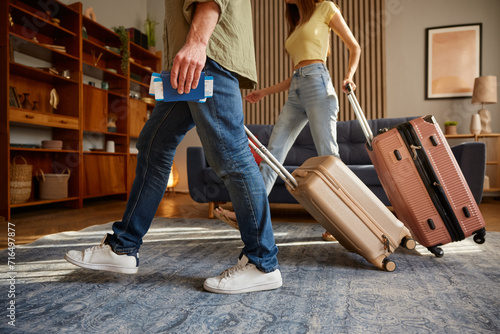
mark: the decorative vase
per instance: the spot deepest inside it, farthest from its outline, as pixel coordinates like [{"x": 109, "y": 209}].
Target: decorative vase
[
  {"x": 486, "y": 184},
  {"x": 26, "y": 102},
  {"x": 475, "y": 124},
  {"x": 35, "y": 106},
  {"x": 152, "y": 49}
]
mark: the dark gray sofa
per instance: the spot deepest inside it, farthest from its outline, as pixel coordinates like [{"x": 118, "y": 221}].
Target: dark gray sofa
[{"x": 206, "y": 187}]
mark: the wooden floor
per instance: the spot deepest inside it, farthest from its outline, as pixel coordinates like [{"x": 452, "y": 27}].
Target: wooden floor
[{"x": 34, "y": 223}]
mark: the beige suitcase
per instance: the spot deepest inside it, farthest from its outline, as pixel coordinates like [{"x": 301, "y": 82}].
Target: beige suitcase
[{"x": 344, "y": 206}]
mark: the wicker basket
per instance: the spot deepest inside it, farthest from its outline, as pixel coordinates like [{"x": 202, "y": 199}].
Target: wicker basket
[
  {"x": 53, "y": 186},
  {"x": 21, "y": 177}
]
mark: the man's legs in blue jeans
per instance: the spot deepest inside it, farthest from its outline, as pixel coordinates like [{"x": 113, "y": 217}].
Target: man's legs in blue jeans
[{"x": 219, "y": 123}]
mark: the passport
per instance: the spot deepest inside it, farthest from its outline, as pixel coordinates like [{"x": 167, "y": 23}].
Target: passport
[{"x": 170, "y": 94}]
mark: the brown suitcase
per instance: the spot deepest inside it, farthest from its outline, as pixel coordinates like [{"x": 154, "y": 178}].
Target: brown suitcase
[
  {"x": 423, "y": 182},
  {"x": 344, "y": 206}
]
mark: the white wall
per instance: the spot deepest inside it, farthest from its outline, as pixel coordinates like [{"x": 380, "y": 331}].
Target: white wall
[
  {"x": 114, "y": 13},
  {"x": 156, "y": 11},
  {"x": 405, "y": 49}
]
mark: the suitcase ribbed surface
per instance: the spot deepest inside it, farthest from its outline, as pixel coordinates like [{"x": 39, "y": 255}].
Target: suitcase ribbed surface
[
  {"x": 407, "y": 192},
  {"x": 450, "y": 175}
]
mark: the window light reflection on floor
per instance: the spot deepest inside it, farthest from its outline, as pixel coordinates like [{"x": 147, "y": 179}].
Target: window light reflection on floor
[
  {"x": 464, "y": 246},
  {"x": 38, "y": 271},
  {"x": 53, "y": 270},
  {"x": 153, "y": 235}
]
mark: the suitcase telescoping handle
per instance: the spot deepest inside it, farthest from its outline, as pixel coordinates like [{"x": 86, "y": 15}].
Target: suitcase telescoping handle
[
  {"x": 360, "y": 115},
  {"x": 271, "y": 160}
]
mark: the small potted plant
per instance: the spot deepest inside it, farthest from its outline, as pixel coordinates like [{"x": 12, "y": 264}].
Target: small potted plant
[
  {"x": 450, "y": 128},
  {"x": 149, "y": 27}
]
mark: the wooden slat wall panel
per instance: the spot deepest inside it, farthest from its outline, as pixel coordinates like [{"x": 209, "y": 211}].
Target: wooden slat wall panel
[{"x": 364, "y": 17}]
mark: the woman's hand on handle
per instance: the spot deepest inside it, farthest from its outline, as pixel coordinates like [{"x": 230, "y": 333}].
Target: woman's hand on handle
[
  {"x": 255, "y": 96},
  {"x": 348, "y": 82}
]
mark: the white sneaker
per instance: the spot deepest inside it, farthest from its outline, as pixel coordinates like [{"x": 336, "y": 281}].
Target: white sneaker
[
  {"x": 243, "y": 277},
  {"x": 102, "y": 257}
]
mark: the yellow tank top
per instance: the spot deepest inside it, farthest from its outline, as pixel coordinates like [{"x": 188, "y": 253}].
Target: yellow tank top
[{"x": 310, "y": 40}]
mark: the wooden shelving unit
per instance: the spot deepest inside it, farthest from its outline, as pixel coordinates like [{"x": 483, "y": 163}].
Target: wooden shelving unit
[
  {"x": 492, "y": 141},
  {"x": 56, "y": 36}
]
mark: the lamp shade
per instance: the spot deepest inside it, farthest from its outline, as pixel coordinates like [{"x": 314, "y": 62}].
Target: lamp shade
[{"x": 485, "y": 90}]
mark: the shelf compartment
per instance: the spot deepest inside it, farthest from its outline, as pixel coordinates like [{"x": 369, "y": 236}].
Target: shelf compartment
[
  {"x": 67, "y": 15},
  {"x": 41, "y": 75},
  {"x": 140, "y": 69},
  {"x": 104, "y": 174},
  {"x": 51, "y": 162},
  {"x": 117, "y": 83},
  {"x": 99, "y": 140},
  {"x": 99, "y": 34},
  {"x": 138, "y": 52},
  {"x": 140, "y": 87},
  {"x": 89, "y": 45},
  {"x": 100, "y": 57},
  {"x": 37, "y": 50},
  {"x": 35, "y": 21},
  {"x": 39, "y": 86},
  {"x": 101, "y": 73},
  {"x": 66, "y": 43},
  {"x": 43, "y": 119}
]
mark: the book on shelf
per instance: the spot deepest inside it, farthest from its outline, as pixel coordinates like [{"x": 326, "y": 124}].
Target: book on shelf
[
  {"x": 14, "y": 97},
  {"x": 59, "y": 48},
  {"x": 51, "y": 70}
]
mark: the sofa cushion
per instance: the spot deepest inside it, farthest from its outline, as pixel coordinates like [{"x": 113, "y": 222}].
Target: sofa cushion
[
  {"x": 366, "y": 173},
  {"x": 352, "y": 141}
]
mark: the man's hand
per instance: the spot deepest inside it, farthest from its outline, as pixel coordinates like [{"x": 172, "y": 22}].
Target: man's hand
[
  {"x": 191, "y": 58},
  {"x": 187, "y": 67}
]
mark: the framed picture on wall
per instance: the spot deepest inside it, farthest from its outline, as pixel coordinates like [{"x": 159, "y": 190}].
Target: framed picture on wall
[{"x": 453, "y": 60}]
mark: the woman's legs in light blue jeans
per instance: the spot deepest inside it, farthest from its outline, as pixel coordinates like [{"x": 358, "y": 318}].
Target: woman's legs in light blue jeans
[
  {"x": 219, "y": 123},
  {"x": 312, "y": 98}
]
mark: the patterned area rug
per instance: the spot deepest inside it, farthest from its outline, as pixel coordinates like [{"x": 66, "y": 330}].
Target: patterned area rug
[{"x": 326, "y": 288}]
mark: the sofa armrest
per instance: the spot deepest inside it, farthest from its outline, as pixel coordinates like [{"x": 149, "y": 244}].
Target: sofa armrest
[
  {"x": 471, "y": 158},
  {"x": 196, "y": 163}
]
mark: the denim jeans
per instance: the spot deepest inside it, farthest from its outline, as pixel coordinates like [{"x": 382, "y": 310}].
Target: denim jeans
[
  {"x": 219, "y": 123},
  {"x": 311, "y": 98}
]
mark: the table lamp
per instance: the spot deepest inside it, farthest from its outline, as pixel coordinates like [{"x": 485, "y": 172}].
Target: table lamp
[
  {"x": 485, "y": 92},
  {"x": 173, "y": 179}
]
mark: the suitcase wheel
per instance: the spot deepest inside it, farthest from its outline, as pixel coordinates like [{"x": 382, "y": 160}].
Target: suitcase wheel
[
  {"x": 437, "y": 251},
  {"x": 389, "y": 265},
  {"x": 479, "y": 236},
  {"x": 479, "y": 239},
  {"x": 408, "y": 243}
]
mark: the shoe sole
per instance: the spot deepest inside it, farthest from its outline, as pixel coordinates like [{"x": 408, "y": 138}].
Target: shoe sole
[
  {"x": 255, "y": 288},
  {"x": 102, "y": 267}
]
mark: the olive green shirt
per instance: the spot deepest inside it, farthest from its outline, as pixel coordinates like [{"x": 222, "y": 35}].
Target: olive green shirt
[{"x": 231, "y": 44}]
